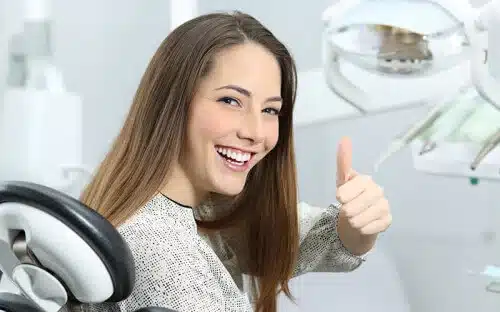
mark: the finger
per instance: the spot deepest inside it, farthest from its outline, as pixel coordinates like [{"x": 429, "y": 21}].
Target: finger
[
  {"x": 377, "y": 226},
  {"x": 377, "y": 211},
  {"x": 366, "y": 200},
  {"x": 354, "y": 188},
  {"x": 344, "y": 160}
]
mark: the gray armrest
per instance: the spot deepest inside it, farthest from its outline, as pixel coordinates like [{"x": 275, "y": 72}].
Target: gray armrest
[{"x": 14, "y": 303}]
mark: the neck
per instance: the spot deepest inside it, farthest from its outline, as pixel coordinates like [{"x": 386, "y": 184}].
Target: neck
[{"x": 179, "y": 189}]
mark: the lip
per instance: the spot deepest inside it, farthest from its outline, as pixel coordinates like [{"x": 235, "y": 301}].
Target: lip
[{"x": 233, "y": 167}]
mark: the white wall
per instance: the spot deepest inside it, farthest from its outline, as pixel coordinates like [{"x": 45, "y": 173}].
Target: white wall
[{"x": 103, "y": 48}]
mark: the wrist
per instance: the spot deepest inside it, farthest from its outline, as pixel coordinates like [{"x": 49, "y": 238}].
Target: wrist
[{"x": 356, "y": 243}]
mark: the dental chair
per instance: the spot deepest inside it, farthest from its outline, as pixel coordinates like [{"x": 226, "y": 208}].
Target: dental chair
[{"x": 55, "y": 251}]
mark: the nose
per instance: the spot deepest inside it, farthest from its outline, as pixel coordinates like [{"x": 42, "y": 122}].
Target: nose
[{"x": 252, "y": 128}]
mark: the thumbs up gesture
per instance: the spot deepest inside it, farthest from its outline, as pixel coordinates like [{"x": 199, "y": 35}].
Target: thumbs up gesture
[{"x": 365, "y": 211}]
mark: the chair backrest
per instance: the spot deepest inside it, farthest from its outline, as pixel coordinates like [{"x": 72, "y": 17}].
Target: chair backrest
[
  {"x": 53, "y": 246},
  {"x": 55, "y": 250}
]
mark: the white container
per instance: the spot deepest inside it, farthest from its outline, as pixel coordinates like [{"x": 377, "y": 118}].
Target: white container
[
  {"x": 454, "y": 159},
  {"x": 41, "y": 137}
]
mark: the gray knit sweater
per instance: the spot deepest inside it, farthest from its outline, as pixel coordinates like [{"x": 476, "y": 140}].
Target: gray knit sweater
[{"x": 181, "y": 269}]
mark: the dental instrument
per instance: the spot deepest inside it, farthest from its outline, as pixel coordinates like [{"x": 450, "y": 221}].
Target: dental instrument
[
  {"x": 483, "y": 122},
  {"x": 416, "y": 130},
  {"x": 491, "y": 143},
  {"x": 410, "y": 135},
  {"x": 450, "y": 122}
]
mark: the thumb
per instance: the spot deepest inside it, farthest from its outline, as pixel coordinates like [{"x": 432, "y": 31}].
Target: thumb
[{"x": 344, "y": 161}]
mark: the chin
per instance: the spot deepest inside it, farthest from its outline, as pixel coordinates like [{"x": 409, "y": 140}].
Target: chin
[
  {"x": 229, "y": 190},
  {"x": 228, "y": 179},
  {"x": 228, "y": 185}
]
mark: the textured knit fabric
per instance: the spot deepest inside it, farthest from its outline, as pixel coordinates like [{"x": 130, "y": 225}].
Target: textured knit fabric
[{"x": 180, "y": 269}]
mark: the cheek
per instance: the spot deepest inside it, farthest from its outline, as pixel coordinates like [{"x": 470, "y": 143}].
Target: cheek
[
  {"x": 207, "y": 123},
  {"x": 208, "y": 127},
  {"x": 272, "y": 135}
]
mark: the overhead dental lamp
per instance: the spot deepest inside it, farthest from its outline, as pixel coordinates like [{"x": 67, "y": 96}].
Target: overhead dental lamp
[
  {"x": 439, "y": 53},
  {"x": 405, "y": 46},
  {"x": 383, "y": 55}
]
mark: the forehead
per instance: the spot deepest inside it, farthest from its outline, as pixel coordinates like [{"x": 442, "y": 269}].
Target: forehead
[{"x": 248, "y": 65}]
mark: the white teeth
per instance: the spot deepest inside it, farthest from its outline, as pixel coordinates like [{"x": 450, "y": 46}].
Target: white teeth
[{"x": 234, "y": 154}]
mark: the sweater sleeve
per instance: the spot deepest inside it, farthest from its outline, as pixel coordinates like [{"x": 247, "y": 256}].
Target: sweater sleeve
[{"x": 320, "y": 247}]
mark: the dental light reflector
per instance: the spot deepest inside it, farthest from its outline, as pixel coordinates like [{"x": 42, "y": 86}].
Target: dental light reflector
[{"x": 419, "y": 41}]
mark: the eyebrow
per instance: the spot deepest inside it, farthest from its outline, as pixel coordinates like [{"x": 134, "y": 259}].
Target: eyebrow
[{"x": 247, "y": 93}]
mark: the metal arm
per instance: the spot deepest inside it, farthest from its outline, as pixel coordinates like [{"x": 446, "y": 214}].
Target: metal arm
[{"x": 484, "y": 35}]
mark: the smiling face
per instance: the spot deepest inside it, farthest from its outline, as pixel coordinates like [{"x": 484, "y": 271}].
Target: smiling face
[{"x": 233, "y": 121}]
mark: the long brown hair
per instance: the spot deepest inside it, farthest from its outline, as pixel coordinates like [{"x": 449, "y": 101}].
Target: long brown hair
[{"x": 151, "y": 139}]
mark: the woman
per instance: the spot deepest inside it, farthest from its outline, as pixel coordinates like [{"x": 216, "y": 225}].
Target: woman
[{"x": 201, "y": 180}]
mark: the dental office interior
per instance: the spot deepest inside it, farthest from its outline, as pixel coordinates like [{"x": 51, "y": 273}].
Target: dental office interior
[{"x": 412, "y": 82}]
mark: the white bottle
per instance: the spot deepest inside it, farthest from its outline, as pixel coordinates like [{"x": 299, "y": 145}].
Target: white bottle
[{"x": 40, "y": 122}]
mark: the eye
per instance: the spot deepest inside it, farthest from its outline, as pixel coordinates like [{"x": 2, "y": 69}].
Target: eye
[
  {"x": 272, "y": 111},
  {"x": 229, "y": 101}
]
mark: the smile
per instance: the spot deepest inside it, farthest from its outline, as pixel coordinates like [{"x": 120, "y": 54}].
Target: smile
[{"x": 235, "y": 159}]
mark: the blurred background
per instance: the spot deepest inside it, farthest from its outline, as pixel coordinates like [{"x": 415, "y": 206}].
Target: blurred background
[{"x": 446, "y": 224}]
